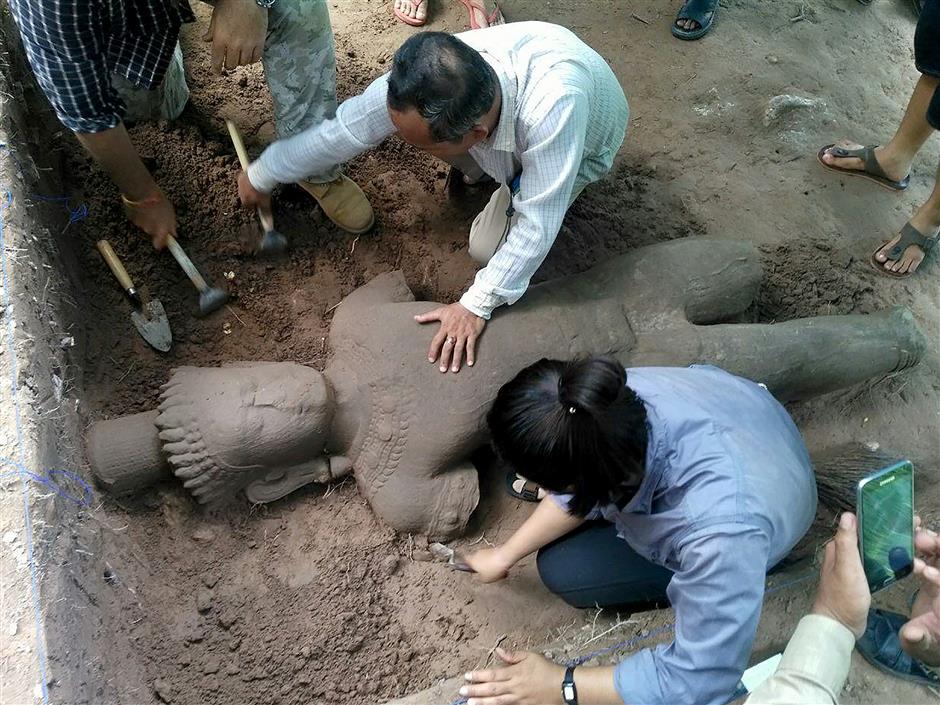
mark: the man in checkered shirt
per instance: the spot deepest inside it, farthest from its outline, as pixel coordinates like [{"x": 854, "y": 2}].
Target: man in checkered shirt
[
  {"x": 527, "y": 104},
  {"x": 101, "y": 62}
]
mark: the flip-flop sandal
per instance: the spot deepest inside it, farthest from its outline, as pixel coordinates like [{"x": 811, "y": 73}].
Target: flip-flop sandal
[
  {"x": 871, "y": 171},
  {"x": 529, "y": 491},
  {"x": 881, "y": 647},
  {"x": 410, "y": 20},
  {"x": 477, "y": 6},
  {"x": 701, "y": 11},
  {"x": 909, "y": 236}
]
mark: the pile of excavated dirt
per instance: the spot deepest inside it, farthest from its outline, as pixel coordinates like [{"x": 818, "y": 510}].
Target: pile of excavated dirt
[{"x": 310, "y": 599}]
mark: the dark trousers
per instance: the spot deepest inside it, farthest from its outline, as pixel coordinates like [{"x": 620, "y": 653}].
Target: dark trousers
[
  {"x": 927, "y": 53},
  {"x": 592, "y": 566}
]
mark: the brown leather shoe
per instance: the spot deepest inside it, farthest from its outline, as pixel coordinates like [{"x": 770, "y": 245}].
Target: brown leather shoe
[{"x": 343, "y": 202}]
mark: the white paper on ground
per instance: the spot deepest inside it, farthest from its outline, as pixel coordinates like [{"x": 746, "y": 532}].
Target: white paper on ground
[{"x": 760, "y": 672}]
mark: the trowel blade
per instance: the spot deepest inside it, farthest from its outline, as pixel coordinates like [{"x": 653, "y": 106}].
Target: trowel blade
[{"x": 153, "y": 325}]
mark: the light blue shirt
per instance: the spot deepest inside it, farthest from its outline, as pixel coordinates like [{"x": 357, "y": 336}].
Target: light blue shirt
[{"x": 729, "y": 490}]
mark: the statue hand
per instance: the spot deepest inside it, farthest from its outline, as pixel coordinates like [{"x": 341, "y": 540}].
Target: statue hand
[{"x": 458, "y": 333}]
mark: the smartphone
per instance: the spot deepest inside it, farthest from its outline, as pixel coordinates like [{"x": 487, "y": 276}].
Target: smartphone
[{"x": 886, "y": 524}]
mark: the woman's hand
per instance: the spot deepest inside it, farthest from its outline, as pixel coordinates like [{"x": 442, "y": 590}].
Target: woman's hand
[
  {"x": 527, "y": 679},
  {"x": 489, "y": 564}
]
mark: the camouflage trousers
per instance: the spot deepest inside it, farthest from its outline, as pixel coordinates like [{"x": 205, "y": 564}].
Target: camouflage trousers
[{"x": 299, "y": 66}]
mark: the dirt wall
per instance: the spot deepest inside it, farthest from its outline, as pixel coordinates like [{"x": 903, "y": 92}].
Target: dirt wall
[{"x": 46, "y": 547}]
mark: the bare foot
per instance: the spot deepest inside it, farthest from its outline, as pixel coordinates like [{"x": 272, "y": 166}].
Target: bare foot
[
  {"x": 417, "y": 10},
  {"x": 913, "y": 255},
  {"x": 895, "y": 170}
]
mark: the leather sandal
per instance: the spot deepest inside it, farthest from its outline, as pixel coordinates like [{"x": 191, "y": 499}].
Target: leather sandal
[
  {"x": 909, "y": 236},
  {"x": 529, "y": 492},
  {"x": 871, "y": 171},
  {"x": 701, "y": 11},
  {"x": 881, "y": 647}
]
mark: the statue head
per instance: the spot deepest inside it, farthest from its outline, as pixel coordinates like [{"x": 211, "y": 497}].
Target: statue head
[{"x": 226, "y": 428}]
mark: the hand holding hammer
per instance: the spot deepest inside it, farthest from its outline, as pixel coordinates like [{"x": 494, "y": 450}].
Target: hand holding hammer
[{"x": 272, "y": 242}]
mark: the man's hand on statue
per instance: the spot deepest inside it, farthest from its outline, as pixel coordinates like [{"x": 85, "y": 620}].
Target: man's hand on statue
[
  {"x": 489, "y": 565},
  {"x": 250, "y": 196},
  {"x": 237, "y": 31},
  {"x": 527, "y": 679},
  {"x": 843, "y": 593},
  {"x": 458, "y": 334},
  {"x": 154, "y": 215}
]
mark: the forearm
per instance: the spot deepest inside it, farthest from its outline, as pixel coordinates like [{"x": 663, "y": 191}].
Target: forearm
[
  {"x": 547, "y": 523},
  {"x": 115, "y": 153},
  {"x": 596, "y": 686},
  {"x": 361, "y": 122},
  {"x": 814, "y": 666},
  {"x": 506, "y": 276}
]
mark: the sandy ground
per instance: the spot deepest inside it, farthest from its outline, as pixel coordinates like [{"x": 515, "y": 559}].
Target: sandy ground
[{"x": 310, "y": 599}]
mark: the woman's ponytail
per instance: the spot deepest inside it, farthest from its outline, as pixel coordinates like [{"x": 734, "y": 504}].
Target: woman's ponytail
[{"x": 573, "y": 427}]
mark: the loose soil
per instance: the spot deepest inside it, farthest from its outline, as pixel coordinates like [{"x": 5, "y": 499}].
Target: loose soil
[{"x": 310, "y": 599}]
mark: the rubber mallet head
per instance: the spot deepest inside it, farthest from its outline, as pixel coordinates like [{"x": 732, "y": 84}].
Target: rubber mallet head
[
  {"x": 211, "y": 299},
  {"x": 272, "y": 243}
]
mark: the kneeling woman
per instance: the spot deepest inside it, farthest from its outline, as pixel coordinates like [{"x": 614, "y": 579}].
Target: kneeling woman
[{"x": 666, "y": 484}]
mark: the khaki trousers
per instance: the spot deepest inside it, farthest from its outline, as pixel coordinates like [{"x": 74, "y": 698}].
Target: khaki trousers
[{"x": 492, "y": 225}]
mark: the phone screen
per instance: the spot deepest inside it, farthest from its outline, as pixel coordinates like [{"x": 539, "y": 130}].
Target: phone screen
[{"x": 886, "y": 519}]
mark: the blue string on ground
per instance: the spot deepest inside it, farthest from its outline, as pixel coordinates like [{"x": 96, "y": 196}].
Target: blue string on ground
[
  {"x": 76, "y": 214},
  {"x": 659, "y": 631}
]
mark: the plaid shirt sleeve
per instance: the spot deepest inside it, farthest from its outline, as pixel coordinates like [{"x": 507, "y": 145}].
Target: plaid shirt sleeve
[{"x": 66, "y": 46}]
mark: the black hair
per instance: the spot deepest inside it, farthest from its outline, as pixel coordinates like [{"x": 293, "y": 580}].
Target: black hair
[
  {"x": 573, "y": 426},
  {"x": 445, "y": 80}
]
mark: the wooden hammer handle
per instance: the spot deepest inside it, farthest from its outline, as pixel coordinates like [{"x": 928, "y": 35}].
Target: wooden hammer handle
[
  {"x": 117, "y": 268},
  {"x": 267, "y": 220},
  {"x": 186, "y": 264},
  {"x": 239, "y": 145}
]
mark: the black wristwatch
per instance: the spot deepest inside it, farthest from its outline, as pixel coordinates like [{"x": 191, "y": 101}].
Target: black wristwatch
[
  {"x": 266, "y": 4},
  {"x": 569, "y": 692}
]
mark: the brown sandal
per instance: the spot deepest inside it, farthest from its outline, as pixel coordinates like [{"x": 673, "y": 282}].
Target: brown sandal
[
  {"x": 871, "y": 171},
  {"x": 909, "y": 236}
]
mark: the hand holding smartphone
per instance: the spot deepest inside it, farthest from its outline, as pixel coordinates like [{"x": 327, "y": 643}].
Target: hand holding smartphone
[{"x": 886, "y": 524}]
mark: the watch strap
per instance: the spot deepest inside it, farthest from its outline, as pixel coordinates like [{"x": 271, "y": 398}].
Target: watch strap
[{"x": 569, "y": 691}]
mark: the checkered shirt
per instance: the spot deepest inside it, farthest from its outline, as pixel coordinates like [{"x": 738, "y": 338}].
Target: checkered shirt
[{"x": 74, "y": 46}]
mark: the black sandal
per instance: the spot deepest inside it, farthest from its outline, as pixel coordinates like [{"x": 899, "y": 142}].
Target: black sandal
[
  {"x": 529, "y": 491},
  {"x": 455, "y": 185},
  {"x": 871, "y": 171},
  {"x": 909, "y": 236},
  {"x": 701, "y": 11}
]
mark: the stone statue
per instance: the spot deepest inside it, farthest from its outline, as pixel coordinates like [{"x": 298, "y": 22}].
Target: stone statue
[{"x": 406, "y": 431}]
